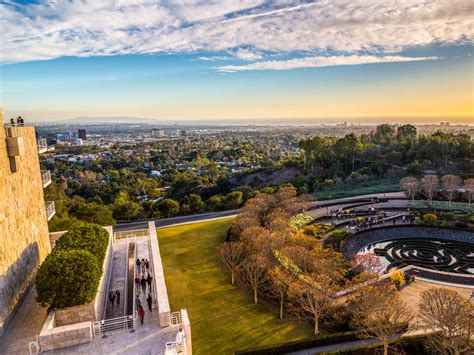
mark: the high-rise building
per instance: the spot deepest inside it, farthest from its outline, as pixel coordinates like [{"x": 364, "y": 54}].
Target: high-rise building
[
  {"x": 82, "y": 134},
  {"x": 24, "y": 235},
  {"x": 68, "y": 136}
]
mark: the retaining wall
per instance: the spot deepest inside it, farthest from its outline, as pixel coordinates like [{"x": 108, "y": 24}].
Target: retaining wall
[{"x": 162, "y": 293}]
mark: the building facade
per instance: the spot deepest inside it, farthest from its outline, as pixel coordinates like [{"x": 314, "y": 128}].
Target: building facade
[{"x": 24, "y": 235}]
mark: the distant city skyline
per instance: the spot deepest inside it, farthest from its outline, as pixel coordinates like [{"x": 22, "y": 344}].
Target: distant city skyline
[{"x": 318, "y": 62}]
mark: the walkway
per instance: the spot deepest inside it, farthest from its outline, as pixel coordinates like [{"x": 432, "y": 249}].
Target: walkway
[
  {"x": 118, "y": 279},
  {"x": 26, "y": 323}
]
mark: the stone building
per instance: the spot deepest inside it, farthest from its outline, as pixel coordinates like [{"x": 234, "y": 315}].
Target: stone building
[{"x": 24, "y": 236}]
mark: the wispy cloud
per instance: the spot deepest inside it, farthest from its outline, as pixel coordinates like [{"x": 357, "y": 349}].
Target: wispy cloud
[
  {"x": 317, "y": 62},
  {"x": 245, "y": 29}
]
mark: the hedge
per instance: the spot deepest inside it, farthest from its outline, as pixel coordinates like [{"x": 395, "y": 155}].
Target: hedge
[
  {"x": 70, "y": 275},
  {"x": 67, "y": 278},
  {"x": 90, "y": 237}
]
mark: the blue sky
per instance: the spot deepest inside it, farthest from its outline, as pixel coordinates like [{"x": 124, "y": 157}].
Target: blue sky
[{"x": 183, "y": 60}]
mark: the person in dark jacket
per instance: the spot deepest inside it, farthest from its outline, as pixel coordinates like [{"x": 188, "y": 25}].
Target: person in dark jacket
[
  {"x": 117, "y": 297},
  {"x": 143, "y": 283},
  {"x": 149, "y": 301},
  {"x": 139, "y": 263},
  {"x": 112, "y": 297},
  {"x": 147, "y": 265},
  {"x": 148, "y": 281}
]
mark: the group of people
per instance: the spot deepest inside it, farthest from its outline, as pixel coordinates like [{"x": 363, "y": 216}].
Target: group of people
[
  {"x": 114, "y": 297},
  {"x": 141, "y": 285}
]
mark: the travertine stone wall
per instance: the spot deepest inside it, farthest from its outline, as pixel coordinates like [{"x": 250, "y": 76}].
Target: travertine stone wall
[
  {"x": 24, "y": 240},
  {"x": 76, "y": 314},
  {"x": 53, "y": 337}
]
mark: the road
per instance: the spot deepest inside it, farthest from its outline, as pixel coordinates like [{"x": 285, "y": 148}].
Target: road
[{"x": 175, "y": 220}]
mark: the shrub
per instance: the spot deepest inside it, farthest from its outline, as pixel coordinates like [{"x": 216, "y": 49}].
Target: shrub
[
  {"x": 336, "y": 239},
  {"x": 299, "y": 221},
  {"x": 317, "y": 230},
  {"x": 67, "y": 278},
  {"x": 91, "y": 237},
  {"x": 397, "y": 277},
  {"x": 430, "y": 218}
]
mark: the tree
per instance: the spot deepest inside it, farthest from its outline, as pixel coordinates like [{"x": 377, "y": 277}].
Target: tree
[
  {"x": 410, "y": 185},
  {"x": 469, "y": 189},
  {"x": 313, "y": 294},
  {"x": 381, "y": 314},
  {"x": 127, "y": 211},
  {"x": 93, "y": 213},
  {"x": 254, "y": 273},
  {"x": 406, "y": 133},
  {"x": 193, "y": 203},
  {"x": 430, "y": 184},
  {"x": 168, "y": 207},
  {"x": 67, "y": 278},
  {"x": 214, "y": 203},
  {"x": 233, "y": 199},
  {"x": 451, "y": 185},
  {"x": 369, "y": 263},
  {"x": 232, "y": 253},
  {"x": 450, "y": 316},
  {"x": 280, "y": 281}
]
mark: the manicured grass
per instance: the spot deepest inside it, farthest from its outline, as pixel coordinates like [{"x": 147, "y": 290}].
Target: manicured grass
[
  {"x": 371, "y": 187},
  {"x": 223, "y": 317}
]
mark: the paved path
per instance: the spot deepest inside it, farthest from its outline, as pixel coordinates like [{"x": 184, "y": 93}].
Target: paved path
[
  {"x": 26, "y": 323},
  {"x": 118, "y": 279}
]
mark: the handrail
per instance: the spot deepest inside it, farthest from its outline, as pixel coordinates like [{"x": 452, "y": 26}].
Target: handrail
[
  {"x": 106, "y": 325},
  {"x": 108, "y": 276},
  {"x": 50, "y": 209},
  {"x": 46, "y": 177}
]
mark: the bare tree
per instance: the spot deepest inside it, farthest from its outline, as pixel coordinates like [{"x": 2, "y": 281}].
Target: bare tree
[
  {"x": 469, "y": 189},
  {"x": 430, "y": 184},
  {"x": 410, "y": 185},
  {"x": 381, "y": 314},
  {"x": 451, "y": 185},
  {"x": 449, "y": 318},
  {"x": 254, "y": 272},
  {"x": 313, "y": 293},
  {"x": 233, "y": 254},
  {"x": 280, "y": 281},
  {"x": 368, "y": 262}
]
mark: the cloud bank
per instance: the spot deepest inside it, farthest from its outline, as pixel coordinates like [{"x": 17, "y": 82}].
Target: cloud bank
[{"x": 363, "y": 31}]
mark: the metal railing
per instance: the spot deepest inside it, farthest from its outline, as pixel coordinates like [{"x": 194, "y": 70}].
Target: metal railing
[
  {"x": 12, "y": 131},
  {"x": 176, "y": 347},
  {"x": 175, "y": 318},
  {"x": 46, "y": 178},
  {"x": 42, "y": 145},
  {"x": 101, "y": 328},
  {"x": 132, "y": 233},
  {"x": 50, "y": 209}
]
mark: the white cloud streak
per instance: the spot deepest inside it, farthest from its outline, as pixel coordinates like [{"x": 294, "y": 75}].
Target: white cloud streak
[
  {"x": 318, "y": 62},
  {"x": 245, "y": 29}
]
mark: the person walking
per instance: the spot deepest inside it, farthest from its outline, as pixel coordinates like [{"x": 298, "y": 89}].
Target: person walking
[
  {"x": 117, "y": 297},
  {"x": 149, "y": 301},
  {"x": 143, "y": 266},
  {"x": 112, "y": 297},
  {"x": 143, "y": 283},
  {"x": 137, "y": 283},
  {"x": 141, "y": 314},
  {"x": 138, "y": 302},
  {"x": 147, "y": 265},
  {"x": 148, "y": 281},
  {"x": 138, "y": 262}
]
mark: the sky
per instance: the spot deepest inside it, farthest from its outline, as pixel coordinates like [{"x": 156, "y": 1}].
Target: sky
[{"x": 323, "y": 61}]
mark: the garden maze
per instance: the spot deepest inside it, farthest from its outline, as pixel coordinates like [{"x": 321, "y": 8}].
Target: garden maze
[{"x": 456, "y": 257}]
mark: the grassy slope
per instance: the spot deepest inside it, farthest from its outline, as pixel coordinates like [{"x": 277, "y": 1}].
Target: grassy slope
[{"x": 223, "y": 319}]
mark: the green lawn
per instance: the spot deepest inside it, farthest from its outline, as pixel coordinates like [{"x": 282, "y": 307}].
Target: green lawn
[
  {"x": 223, "y": 318},
  {"x": 371, "y": 187}
]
